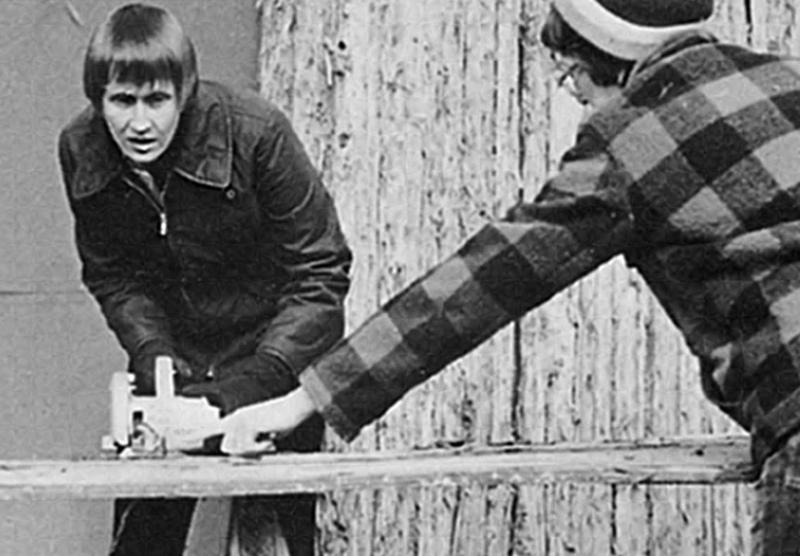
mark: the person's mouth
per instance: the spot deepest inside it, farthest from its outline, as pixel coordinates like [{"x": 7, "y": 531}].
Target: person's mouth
[{"x": 141, "y": 144}]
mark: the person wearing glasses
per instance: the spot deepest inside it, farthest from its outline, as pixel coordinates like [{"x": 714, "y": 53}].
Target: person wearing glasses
[
  {"x": 206, "y": 235},
  {"x": 686, "y": 165}
]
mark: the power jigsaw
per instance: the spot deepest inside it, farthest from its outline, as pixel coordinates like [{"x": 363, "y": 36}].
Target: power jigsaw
[{"x": 155, "y": 426}]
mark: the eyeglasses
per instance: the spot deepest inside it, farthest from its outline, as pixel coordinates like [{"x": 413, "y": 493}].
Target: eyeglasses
[{"x": 564, "y": 71}]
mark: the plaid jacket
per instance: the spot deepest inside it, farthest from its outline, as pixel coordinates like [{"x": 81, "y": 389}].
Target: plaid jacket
[{"x": 693, "y": 174}]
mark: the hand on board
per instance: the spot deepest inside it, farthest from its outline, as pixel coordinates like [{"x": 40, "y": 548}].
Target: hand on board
[{"x": 251, "y": 430}]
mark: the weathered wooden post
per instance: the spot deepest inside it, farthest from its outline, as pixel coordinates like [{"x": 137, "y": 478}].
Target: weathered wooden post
[{"x": 426, "y": 118}]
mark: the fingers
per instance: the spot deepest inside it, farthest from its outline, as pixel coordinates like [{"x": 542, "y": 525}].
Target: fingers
[
  {"x": 144, "y": 384},
  {"x": 182, "y": 367},
  {"x": 242, "y": 440},
  {"x": 241, "y": 434},
  {"x": 243, "y": 446},
  {"x": 245, "y": 429}
]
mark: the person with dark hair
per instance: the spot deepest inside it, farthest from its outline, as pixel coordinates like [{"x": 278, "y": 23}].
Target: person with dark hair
[
  {"x": 206, "y": 235},
  {"x": 687, "y": 165}
]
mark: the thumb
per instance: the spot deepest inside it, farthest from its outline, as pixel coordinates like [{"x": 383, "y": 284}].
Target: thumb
[{"x": 207, "y": 390}]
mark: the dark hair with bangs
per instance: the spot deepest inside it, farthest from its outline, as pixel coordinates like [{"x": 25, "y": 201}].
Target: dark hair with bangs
[
  {"x": 603, "y": 68},
  {"x": 139, "y": 44}
]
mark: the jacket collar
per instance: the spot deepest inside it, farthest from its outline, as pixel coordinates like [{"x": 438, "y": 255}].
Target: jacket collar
[
  {"x": 204, "y": 143},
  {"x": 673, "y": 46}
]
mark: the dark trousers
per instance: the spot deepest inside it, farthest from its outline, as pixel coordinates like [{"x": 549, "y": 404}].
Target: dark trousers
[
  {"x": 159, "y": 526},
  {"x": 156, "y": 526},
  {"x": 777, "y": 517}
]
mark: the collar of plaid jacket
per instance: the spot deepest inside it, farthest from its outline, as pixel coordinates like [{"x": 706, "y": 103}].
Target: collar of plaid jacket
[{"x": 672, "y": 47}]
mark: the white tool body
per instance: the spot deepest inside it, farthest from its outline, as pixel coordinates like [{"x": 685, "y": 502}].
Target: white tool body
[{"x": 153, "y": 426}]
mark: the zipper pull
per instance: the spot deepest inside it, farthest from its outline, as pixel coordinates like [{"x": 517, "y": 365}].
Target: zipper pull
[{"x": 162, "y": 230}]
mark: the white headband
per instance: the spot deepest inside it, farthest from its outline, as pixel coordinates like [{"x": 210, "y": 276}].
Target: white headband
[{"x": 609, "y": 32}]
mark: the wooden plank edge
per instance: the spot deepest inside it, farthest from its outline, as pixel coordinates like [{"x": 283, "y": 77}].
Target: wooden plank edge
[{"x": 680, "y": 461}]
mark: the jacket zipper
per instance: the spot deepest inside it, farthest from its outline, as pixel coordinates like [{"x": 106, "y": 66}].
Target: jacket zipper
[
  {"x": 162, "y": 228},
  {"x": 162, "y": 222},
  {"x": 158, "y": 204}
]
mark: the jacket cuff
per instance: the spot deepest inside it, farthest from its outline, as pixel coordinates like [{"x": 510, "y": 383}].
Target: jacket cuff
[
  {"x": 154, "y": 345},
  {"x": 323, "y": 401},
  {"x": 275, "y": 357}
]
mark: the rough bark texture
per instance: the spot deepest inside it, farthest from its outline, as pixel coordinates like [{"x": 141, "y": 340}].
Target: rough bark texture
[{"x": 426, "y": 118}]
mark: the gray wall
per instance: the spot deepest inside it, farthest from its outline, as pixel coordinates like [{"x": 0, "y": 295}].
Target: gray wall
[{"x": 56, "y": 355}]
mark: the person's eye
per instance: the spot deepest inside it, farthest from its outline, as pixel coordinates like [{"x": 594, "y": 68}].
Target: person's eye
[
  {"x": 157, "y": 99},
  {"x": 123, "y": 99}
]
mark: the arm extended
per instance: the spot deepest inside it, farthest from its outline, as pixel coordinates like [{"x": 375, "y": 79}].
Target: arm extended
[{"x": 578, "y": 221}]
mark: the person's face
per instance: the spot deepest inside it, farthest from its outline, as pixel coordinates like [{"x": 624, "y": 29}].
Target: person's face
[
  {"x": 142, "y": 119},
  {"x": 573, "y": 75}
]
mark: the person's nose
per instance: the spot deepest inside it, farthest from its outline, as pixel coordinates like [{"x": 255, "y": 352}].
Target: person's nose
[{"x": 140, "y": 118}]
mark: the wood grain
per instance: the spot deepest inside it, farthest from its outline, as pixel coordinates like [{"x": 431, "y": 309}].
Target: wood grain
[{"x": 712, "y": 460}]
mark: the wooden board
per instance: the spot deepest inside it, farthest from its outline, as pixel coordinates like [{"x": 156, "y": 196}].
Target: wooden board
[{"x": 690, "y": 461}]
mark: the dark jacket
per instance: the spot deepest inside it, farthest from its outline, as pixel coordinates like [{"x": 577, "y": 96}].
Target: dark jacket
[
  {"x": 244, "y": 241},
  {"x": 692, "y": 174}
]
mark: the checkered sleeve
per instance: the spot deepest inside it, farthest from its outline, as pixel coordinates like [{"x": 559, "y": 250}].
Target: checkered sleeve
[{"x": 578, "y": 221}]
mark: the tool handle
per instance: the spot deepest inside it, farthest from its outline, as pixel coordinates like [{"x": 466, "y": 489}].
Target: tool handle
[{"x": 165, "y": 381}]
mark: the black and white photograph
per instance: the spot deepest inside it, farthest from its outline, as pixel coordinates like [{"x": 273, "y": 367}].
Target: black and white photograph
[{"x": 400, "y": 278}]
